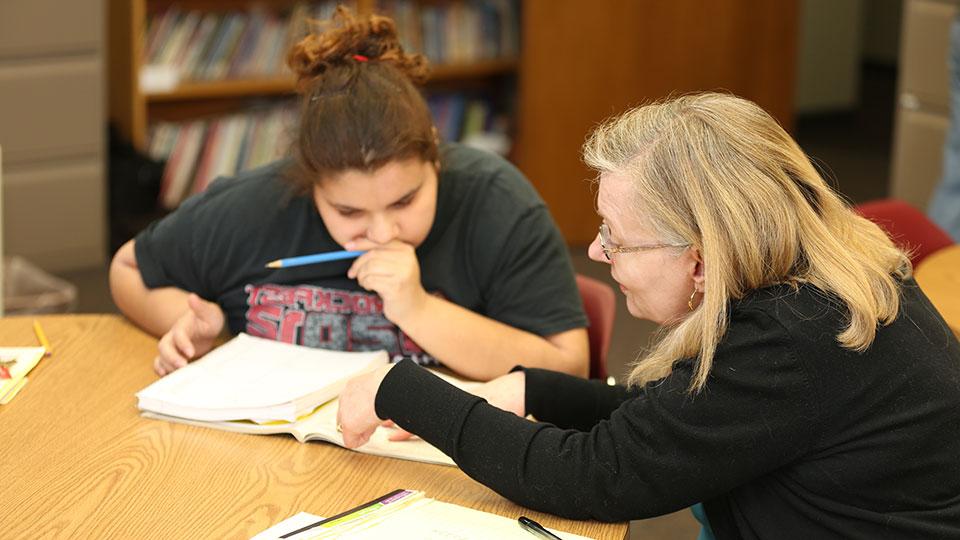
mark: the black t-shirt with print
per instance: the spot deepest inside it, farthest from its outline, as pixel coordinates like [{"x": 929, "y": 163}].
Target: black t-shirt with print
[{"x": 493, "y": 248}]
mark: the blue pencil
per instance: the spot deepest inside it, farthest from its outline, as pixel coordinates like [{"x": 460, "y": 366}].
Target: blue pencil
[{"x": 314, "y": 259}]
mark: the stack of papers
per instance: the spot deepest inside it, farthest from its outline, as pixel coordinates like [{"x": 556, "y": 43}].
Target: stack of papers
[
  {"x": 256, "y": 379},
  {"x": 15, "y": 363},
  {"x": 400, "y": 515}
]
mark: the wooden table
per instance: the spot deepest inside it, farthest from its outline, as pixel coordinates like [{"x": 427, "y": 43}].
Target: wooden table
[
  {"x": 77, "y": 461},
  {"x": 939, "y": 277}
]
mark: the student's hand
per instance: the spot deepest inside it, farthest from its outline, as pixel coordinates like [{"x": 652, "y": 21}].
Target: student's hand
[
  {"x": 392, "y": 271},
  {"x": 191, "y": 336},
  {"x": 356, "y": 415},
  {"x": 507, "y": 392},
  {"x": 397, "y": 432}
]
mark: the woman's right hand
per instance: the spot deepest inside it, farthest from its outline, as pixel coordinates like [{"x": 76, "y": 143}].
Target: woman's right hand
[
  {"x": 191, "y": 336},
  {"x": 507, "y": 392}
]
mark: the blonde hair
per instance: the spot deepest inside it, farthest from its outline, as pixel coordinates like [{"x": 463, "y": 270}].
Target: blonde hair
[{"x": 718, "y": 173}]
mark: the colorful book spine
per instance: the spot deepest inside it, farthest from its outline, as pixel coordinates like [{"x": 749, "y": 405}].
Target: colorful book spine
[{"x": 198, "y": 152}]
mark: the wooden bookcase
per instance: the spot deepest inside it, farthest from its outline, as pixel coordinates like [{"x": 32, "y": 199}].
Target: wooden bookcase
[
  {"x": 580, "y": 62},
  {"x": 132, "y": 109}
]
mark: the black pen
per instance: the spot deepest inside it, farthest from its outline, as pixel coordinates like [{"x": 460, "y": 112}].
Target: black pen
[{"x": 536, "y": 529}]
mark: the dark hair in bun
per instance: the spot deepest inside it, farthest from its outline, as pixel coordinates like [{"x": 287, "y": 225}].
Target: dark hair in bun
[{"x": 360, "y": 106}]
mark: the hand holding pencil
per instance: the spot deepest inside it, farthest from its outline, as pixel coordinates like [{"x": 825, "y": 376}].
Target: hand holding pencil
[
  {"x": 315, "y": 258},
  {"x": 392, "y": 271}
]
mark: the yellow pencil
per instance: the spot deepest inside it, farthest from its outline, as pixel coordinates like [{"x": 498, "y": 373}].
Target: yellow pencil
[{"x": 41, "y": 337}]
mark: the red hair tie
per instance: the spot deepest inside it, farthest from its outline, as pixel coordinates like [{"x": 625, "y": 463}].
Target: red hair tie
[{"x": 360, "y": 58}]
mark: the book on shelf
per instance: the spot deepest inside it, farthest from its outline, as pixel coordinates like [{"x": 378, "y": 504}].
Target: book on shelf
[
  {"x": 194, "y": 45},
  {"x": 200, "y": 45},
  {"x": 456, "y": 32},
  {"x": 178, "y": 172},
  {"x": 198, "y": 151},
  {"x": 401, "y": 514},
  {"x": 470, "y": 120},
  {"x": 264, "y": 387}
]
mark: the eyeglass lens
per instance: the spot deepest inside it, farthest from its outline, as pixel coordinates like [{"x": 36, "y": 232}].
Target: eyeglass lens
[{"x": 605, "y": 240}]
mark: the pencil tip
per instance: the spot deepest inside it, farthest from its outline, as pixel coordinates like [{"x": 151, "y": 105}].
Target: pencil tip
[{"x": 274, "y": 264}]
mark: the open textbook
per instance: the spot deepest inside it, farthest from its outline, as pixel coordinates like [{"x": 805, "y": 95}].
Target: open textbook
[
  {"x": 400, "y": 515},
  {"x": 321, "y": 425},
  {"x": 262, "y": 380},
  {"x": 252, "y": 385}
]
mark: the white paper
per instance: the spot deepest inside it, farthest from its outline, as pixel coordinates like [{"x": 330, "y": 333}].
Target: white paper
[{"x": 289, "y": 525}]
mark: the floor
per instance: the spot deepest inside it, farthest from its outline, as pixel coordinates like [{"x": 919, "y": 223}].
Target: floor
[{"x": 853, "y": 150}]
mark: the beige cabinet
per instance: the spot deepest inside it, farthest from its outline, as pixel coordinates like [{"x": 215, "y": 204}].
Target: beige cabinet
[
  {"x": 923, "y": 107},
  {"x": 52, "y": 132}
]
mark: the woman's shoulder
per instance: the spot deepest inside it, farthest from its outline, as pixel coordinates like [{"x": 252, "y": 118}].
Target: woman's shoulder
[
  {"x": 809, "y": 313},
  {"x": 467, "y": 171},
  {"x": 792, "y": 306},
  {"x": 266, "y": 180},
  {"x": 255, "y": 192}
]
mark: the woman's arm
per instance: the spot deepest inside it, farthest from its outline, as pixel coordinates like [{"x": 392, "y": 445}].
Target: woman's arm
[
  {"x": 482, "y": 348},
  {"x": 468, "y": 343},
  {"x": 154, "y": 310},
  {"x": 186, "y": 324},
  {"x": 657, "y": 453}
]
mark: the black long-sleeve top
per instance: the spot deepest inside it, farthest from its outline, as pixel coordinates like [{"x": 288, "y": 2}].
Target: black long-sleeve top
[{"x": 793, "y": 436}]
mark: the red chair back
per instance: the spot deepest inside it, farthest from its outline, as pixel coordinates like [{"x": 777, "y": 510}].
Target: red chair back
[
  {"x": 908, "y": 227},
  {"x": 600, "y": 304}
]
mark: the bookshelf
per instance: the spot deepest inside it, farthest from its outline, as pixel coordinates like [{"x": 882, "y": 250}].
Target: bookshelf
[
  {"x": 578, "y": 62},
  {"x": 133, "y": 107},
  {"x": 160, "y": 75},
  {"x": 283, "y": 85}
]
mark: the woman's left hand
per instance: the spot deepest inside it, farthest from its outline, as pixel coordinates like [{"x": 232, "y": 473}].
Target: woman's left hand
[
  {"x": 392, "y": 271},
  {"x": 357, "y": 416}
]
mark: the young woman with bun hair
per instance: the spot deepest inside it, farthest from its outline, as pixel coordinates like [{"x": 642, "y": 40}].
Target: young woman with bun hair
[{"x": 463, "y": 264}]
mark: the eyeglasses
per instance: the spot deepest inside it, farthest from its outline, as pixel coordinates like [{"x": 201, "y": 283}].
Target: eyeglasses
[{"x": 610, "y": 248}]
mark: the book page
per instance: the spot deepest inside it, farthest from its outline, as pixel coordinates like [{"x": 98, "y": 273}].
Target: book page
[
  {"x": 322, "y": 424},
  {"x": 254, "y": 378}
]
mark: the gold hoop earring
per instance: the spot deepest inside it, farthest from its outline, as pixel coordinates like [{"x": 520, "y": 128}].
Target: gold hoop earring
[{"x": 690, "y": 301}]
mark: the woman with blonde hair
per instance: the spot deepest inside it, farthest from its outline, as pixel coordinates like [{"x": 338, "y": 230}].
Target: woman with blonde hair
[{"x": 802, "y": 386}]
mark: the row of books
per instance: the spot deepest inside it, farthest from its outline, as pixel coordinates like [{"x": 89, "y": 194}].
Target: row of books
[
  {"x": 195, "y": 45},
  {"x": 198, "y": 151},
  {"x": 212, "y": 45},
  {"x": 457, "y": 32},
  {"x": 472, "y": 120}
]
